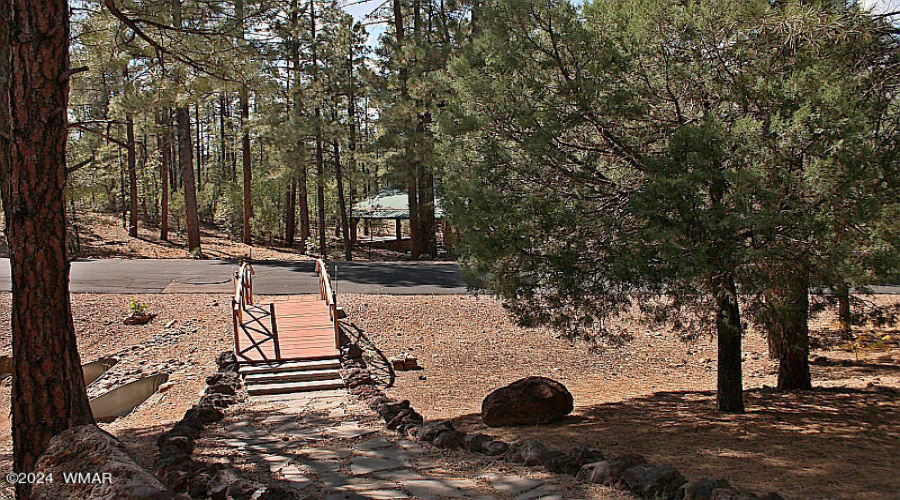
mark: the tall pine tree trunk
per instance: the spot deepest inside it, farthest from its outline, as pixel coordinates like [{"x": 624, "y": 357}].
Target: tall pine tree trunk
[
  {"x": 415, "y": 228},
  {"x": 729, "y": 389},
  {"x": 845, "y": 315},
  {"x": 132, "y": 177},
  {"x": 789, "y": 308},
  {"x": 290, "y": 213},
  {"x": 48, "y": 394},
  {"x": 185, "y": 153},
  {"x": 351, "y": 145},
  {"x": 320, "y": 161},
  {"x": 198, "y": 146},
  {"x": 246, "y": 158},
  {"x": 342, "y": 203},
  {"x": 301, "y": 180},
  {"x": 164, "y": 145},
  {"x": 304, "y": 207},
  {"x": 186, "y": 161},
  {"x": 412, "y": 162},
  {"x": 247, "y": 167}
]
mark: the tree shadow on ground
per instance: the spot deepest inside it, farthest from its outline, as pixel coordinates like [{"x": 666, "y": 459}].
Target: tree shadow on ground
[
  {"x": 141, "y": 442},
  {"x": 381, "y": 369},
  {"x": 825, "y": 443},
  {"x": 269, "y": 434},
  {"x": 249, "y": 462}
]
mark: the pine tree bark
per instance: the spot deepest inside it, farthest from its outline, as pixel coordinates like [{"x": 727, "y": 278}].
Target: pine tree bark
[
  {"x": 342, "y": 203},
  {"x": 789, "y": 307},
  {"x": 247, "y": 164},
  {"x": 729, "y": 390},
  {"x": 246, "y": 153},
  {"x": 413, "y": 168},
  {"x": 303, "y": 191},
  {"x": 132, "y": 177},
  {"x": 165, "y": 148},
  {"x": 186, "y": 161},
  {"x": 48, "y": 394},
  {"x": 424, "y": 196},
  {"x": 845, "y": 315},
  {"x": 320, "y": 161},
  {"x": 198, "y": 137},
  {"x": 290, "y": 213},
  {"x": 185, "y": 158}
]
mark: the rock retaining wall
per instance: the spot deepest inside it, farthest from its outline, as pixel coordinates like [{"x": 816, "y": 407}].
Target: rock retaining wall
[
  {"x": 629, "y": 472},
  {"x": 180, "y": 472}
]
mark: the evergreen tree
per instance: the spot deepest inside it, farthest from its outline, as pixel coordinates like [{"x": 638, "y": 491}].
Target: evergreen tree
[{"x": 676, "y": 155}]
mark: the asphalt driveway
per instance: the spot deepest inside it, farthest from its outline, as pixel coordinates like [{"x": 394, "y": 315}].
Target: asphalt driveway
[{"x": 272, "y": 277}]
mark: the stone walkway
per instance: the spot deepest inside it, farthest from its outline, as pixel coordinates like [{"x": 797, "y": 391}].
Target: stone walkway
[{"x": 325, "y": 445}]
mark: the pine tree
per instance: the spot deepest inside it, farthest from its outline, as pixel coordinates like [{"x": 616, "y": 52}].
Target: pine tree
[
  {"x": 48, "y": 393},
  {"x": 674, "y": 155}
]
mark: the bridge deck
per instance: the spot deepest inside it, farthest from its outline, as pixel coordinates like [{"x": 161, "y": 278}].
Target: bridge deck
[{"x": 304, "y": 332}]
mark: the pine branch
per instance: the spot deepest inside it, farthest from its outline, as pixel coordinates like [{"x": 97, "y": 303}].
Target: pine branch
[
  {"x": 78, "y": 166},
  {"x": 131, "y": 24},
  {"x": 101, "y": 134}
]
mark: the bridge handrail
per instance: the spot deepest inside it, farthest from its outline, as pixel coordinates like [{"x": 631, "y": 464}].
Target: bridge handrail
[{"x": 327, "y": 293}]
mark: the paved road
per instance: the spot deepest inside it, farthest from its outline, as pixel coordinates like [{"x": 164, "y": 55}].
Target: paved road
[{"x": 272, "y": 278}]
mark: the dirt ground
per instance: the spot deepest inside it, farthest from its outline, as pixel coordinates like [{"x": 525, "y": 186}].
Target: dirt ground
[
  {"x": 654, "y": 395},
  {"x": 183, "y": 340},
  {"x": 103, "y": 236}
]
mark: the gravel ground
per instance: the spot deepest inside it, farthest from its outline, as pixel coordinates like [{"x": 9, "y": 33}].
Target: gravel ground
[
  {"x": 183, "y": 340},
  {"x": 653, "y": 395}
]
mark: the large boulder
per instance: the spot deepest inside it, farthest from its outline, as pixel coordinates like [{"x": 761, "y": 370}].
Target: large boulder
[
  {"x": 530, "y": 401},
  {"x": 87, "y": 448}
]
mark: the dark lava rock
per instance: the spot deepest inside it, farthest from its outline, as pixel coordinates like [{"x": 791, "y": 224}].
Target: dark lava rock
[
  {"x": 530, "y": 401},
  {"x": 182, "y": 444},
  {"x": 390, "y": 409},
  {"x": 87, "y": 448},
  {"x": 531, "y": 452},
  {"x": 609, "y": 472},
  {"x": 431, "y": 430},
  {"x": 738, "y": 494},
  {"x": 572, "y": 461},
  {"x": 352, "y": 352},
  {"x": 653, "y": 481},
  {"x": 227, "y": 362},
  {"x": 206, "y": 413},
  {"x": 475, "y": 442},
  {"x": 495, "y": 448},
  {"x": 700, "y": 489},
  {"x": 449, "y": 439}
]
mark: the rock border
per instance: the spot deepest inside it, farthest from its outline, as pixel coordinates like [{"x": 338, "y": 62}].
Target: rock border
[
  {"x": 181, "y": 473},
  {"x": 629, "y": 472}
]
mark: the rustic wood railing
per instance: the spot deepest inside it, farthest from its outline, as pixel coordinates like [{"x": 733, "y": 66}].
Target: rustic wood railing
[
  {"x": 327, "y": 293},
  {"x": 241, "y": 304}
]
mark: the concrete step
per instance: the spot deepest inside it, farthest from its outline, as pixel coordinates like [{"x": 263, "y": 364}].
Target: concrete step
[
  {"x": 290, "y": 366},
  {"x": 291, "y": 376},
  {"x": 289, "y": 387}
]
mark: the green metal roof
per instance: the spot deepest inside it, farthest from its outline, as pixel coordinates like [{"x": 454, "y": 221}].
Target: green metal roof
[{"x": 390, "y": 204}]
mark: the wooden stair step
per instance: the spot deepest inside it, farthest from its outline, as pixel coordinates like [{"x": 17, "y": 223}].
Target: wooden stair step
[
  {"x": 291, "y": 376},
  {"x": 289, "y": 387},
  {"x": 290, "y": 366}
]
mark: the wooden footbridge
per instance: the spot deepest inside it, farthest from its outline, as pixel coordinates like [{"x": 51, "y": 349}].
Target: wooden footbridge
[{"x": 287, "y": 345}]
